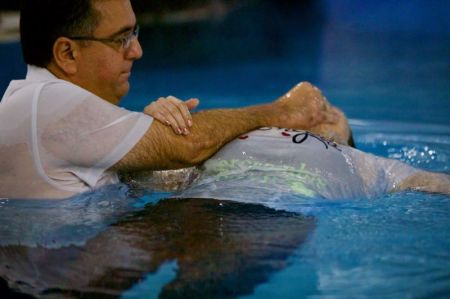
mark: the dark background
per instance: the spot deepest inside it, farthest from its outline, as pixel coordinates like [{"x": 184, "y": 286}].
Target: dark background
[{"x": 381, "y": 60}]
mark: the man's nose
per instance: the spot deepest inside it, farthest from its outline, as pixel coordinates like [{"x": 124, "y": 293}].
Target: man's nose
[{"x": 135, "y": 51}]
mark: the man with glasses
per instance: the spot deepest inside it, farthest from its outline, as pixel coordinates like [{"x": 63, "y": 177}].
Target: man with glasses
[
  {"x": 119, "y": 42},
  {"x": 61, "y": 132}
]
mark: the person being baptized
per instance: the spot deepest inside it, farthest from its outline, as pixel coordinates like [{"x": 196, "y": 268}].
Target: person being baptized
[{"x": 271, "y": 163}]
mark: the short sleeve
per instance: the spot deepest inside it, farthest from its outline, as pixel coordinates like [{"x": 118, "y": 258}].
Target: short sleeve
[{"x": 80, "y": 136}]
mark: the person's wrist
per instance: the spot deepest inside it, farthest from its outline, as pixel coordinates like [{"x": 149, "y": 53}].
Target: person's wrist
[{"x": 268, "y": 115}]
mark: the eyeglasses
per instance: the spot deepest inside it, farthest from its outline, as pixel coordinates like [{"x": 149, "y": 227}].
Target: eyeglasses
[{"x": 123, "y": 42}]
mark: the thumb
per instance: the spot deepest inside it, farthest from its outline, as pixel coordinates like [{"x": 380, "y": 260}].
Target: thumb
[{"x": 192, "y": 103}]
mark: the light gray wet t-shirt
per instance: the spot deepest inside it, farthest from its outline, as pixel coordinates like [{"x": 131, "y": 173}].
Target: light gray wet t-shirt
[
  {"x": 270, "y": 163},
  {"x": 57, "y": 139}
]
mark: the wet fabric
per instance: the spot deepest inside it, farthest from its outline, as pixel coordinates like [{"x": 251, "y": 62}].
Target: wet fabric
[
  {"x": 270, "y": 164},
  {"x": 57, "y": 139}
]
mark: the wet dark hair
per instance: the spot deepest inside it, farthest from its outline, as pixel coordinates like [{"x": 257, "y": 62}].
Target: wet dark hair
[{"x": 42, "y": 22}]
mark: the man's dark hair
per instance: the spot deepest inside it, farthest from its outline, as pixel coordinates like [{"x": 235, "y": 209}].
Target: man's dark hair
[{"x": 44, "y": 21}]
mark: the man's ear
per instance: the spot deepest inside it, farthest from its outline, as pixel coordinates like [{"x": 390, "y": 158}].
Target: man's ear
[{"x": 65, "y": 52}]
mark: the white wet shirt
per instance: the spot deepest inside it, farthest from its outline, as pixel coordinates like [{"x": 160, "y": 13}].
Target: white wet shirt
[
  {"x": 57, "y": 139},
  {"x": 269, "y": 164}
]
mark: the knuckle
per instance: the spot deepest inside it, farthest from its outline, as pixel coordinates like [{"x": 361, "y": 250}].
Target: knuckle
[
  {"x": 172, "y": 109},
  {"x": 173, "y": 99}
]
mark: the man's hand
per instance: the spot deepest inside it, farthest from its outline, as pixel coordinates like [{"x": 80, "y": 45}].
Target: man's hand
[
  {"x": 173, "y": 112},
  {"x": 303, "y": 107},
  {"x": 338, "y": 132}
]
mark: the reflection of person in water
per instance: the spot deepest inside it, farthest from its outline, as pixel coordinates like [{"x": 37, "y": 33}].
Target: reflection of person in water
[{"x": 224, "y": 251}]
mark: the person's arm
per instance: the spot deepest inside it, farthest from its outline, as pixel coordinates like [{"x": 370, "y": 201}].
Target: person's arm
[
  {"x": 301, "y": 108},
  {"x": 425, "y": 181},
  {"x": 382, "y": 175},
  {"x": 419, "y": 180}
]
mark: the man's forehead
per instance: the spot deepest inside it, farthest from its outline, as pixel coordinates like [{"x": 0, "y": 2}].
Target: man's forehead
[{"x": 116, "y": 15}]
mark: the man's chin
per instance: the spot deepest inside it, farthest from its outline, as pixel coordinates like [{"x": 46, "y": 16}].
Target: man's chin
[{"x": 123, "y": 91}]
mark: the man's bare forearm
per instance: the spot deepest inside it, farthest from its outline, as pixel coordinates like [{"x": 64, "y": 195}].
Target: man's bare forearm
[
  {"x": 302, "y": 107},
  {"x": 160, "y": 148}
]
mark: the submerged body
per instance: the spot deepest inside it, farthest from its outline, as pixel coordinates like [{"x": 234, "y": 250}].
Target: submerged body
[{"x": 272, "y": 162}]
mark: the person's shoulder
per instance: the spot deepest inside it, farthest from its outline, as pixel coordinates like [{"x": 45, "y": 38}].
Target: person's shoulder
[
  {"x": 67, "y": 91},
  {"x": 60, "y": 85}
]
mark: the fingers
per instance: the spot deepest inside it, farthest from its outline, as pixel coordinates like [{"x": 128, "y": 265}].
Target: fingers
[
  {"x": 179, "y": 114},
  {"x": 338, "y": 131},
  {"x": 173, "y": 112},
  {"x": 192, "y": 103}
]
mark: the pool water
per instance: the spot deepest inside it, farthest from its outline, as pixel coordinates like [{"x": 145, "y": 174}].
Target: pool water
[{"x": 385, "y": 64}]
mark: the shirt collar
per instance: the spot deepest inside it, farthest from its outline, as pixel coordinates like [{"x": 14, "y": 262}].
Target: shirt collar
[{"x": 35, "y": 73}]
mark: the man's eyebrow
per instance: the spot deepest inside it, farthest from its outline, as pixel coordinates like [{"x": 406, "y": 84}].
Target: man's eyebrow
[{"x": 123, "y": 30}]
